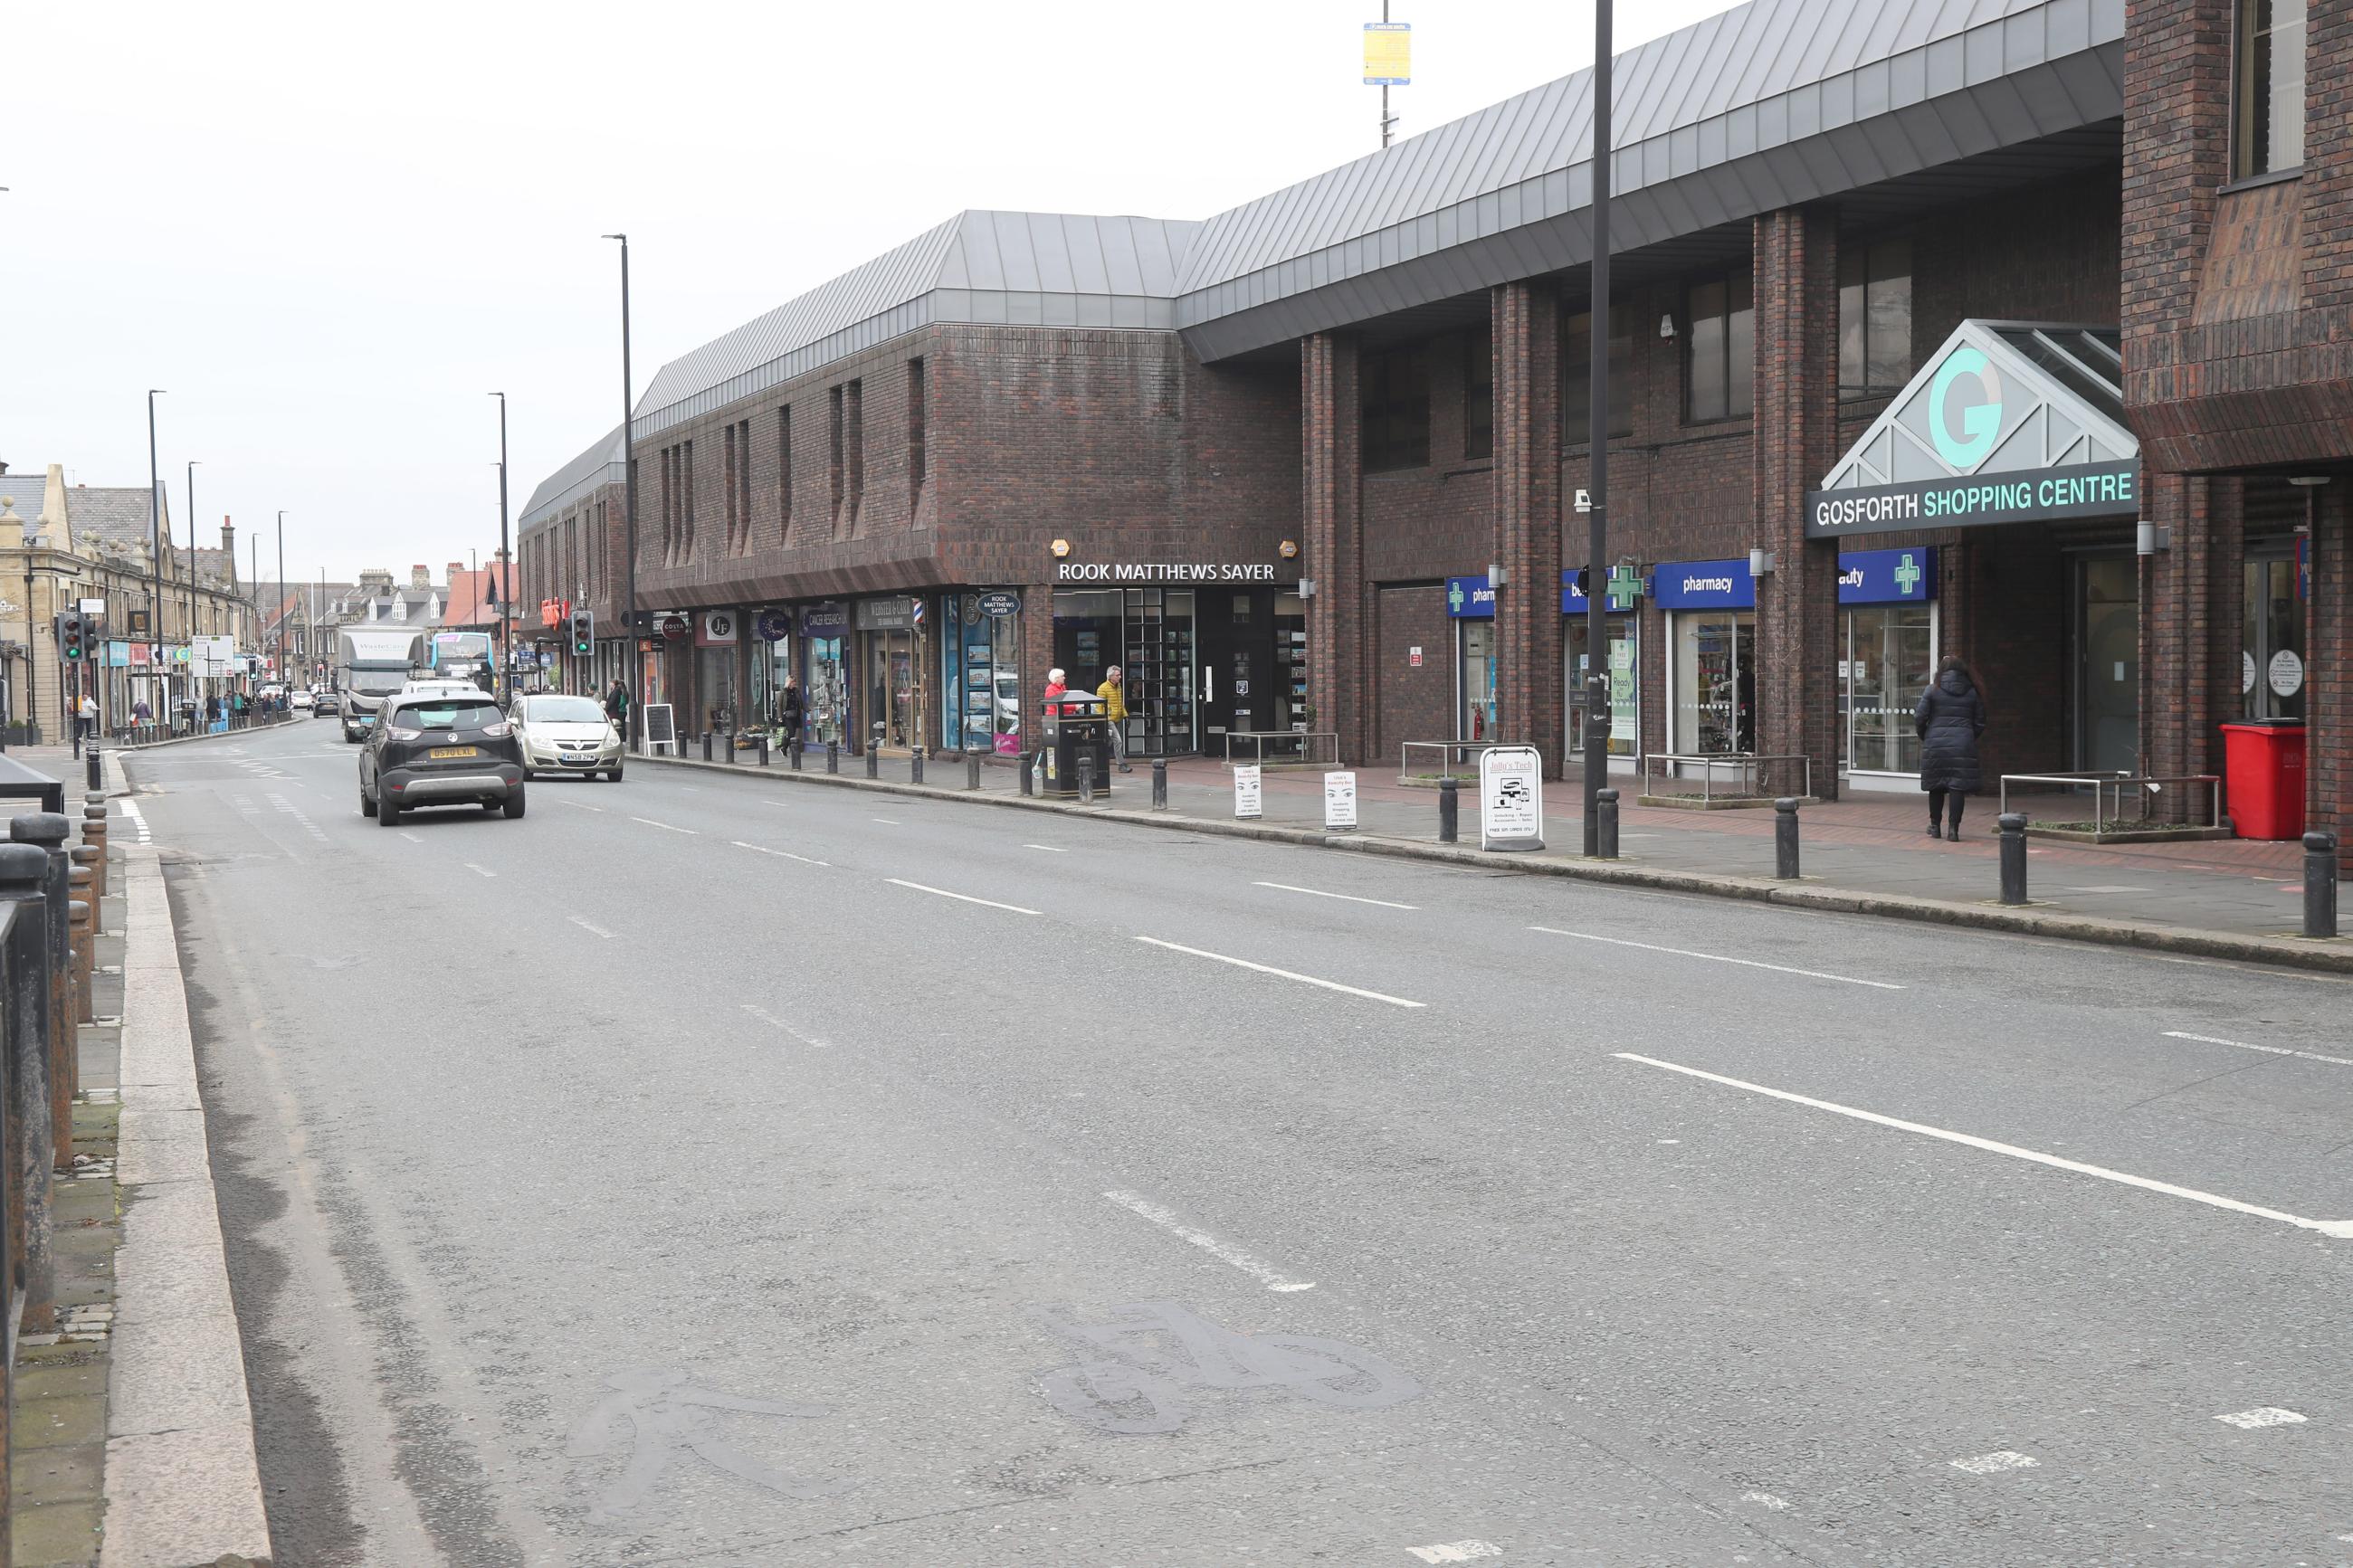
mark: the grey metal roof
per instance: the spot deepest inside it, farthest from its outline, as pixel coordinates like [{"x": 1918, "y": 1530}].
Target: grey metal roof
[
  {"x": 601, "y": 464},
  {"x": 1006, "y": 268},
  {"x": 2062, "y": 402},
  {"x": 1769, "y": 104}
]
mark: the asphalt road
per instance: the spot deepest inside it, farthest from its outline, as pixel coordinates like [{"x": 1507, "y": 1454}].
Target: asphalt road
[{"x": 718, "y": 1171}]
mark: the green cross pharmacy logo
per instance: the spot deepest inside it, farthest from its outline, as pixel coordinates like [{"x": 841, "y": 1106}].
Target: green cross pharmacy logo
[
  {"x": 1907, "y": 576},
  {"x": 1454, "y": 597}
]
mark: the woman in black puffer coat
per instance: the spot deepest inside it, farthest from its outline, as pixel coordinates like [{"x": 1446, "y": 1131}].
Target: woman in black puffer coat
[{"x": 1949, "y": 719}]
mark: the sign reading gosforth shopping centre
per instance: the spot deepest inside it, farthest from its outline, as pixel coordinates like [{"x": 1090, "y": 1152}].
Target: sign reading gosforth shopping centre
[{"x": 2007, "y": 422}]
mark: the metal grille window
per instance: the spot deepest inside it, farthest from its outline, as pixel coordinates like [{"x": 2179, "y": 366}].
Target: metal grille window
[
  {"x": 1723, "y": 370},
  {"x": 853, "y": 443},
  {"x": 1874, "y": 318},
  {"x": 915, "y": 427},
  {"x": 1394, "y": 394},
  {"x": 833, "y": 467},
  {"x": 1478, "y": 396},
  {"x": 784, "y": 469},
  {"x": 1577, "y": 375},
  {"x": 2267, "y": 111},
  {"x": 741, "y": 433}
]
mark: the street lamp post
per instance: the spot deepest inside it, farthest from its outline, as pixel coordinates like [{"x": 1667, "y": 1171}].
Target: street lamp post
[
  {"x": 503, "y": 641},
  {"x": 628, "y": 500},
  {"x": 1596, "y": 519},
  {"x": 155, "y": 558},
  {"x": 191, "y": 638},
  {"x": 281, "y": 598}
]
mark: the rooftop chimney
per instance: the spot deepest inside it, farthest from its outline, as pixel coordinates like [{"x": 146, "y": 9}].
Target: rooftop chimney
[
  {"x": 420, "y": 576},
  {"x": 229, "y": 547}
]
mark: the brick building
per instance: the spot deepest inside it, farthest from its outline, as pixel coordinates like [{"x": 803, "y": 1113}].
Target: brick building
[{"x": 2019, "y": 332}]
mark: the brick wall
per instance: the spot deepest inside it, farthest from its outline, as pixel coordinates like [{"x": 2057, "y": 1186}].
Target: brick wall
[{"x": 1412, "y": 704}]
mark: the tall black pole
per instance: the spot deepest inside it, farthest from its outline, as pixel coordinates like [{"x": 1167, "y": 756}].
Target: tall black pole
[
  {"x": 629, "y": 508},
  {"x": 191, "y": 636},
  {"x": 283, "y": 673},
  {"x": 1597, "y": 519},
  {"x": 499, "y": 567},
  {"x": 155, "y": 566}
]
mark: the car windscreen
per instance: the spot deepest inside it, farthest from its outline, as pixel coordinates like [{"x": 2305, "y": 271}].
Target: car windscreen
[
  {"x": 449, "y": 713},
  {"x": 377, "y": 682},
  {"x": 563, "y": 711}
]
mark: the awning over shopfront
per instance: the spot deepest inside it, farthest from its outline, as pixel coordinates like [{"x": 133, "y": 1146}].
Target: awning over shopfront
[{"x": 2007, "y": 422}]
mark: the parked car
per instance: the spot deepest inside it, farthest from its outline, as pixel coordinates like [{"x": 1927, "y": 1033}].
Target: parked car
[
  {"x": 440, "y": 749},
  {"x": 441, "y": 686},
  {"x": 566, "y": 734}
]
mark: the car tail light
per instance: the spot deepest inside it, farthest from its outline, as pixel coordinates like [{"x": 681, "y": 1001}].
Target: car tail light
[
  {"x": 500, "y": 730},
  {"x": 397, "y": 733}
]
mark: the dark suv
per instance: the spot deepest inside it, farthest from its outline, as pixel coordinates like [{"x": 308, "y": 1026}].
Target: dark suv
[{"x": 440, "y": 751}]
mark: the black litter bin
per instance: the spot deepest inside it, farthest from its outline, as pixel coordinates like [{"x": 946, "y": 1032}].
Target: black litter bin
[{"x": 1078, "y": 724}]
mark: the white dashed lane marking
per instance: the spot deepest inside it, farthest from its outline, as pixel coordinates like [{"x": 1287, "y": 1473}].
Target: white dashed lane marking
[
  {"x": 780, "y": 854},
  {"x": 961, "y": 898},
  {"x": 1250, "y": 1263},
  {"x": 1344, "y": 897},
  {"x": 479, "y": 870},
  {"x": 592, "y": 930},
  {"x": 2267, "y": 1050},
  {"x": 775, "y": 1022},
  {"x": 2261, "y": 1415},
  {"x": 1721, "y": 958},
  {"x": 1284, "y": 974},
  {"x": 665, "y": 826},
  {"x": 1456, "y": 1551},
  {"x": 1995, "y": 1463}
]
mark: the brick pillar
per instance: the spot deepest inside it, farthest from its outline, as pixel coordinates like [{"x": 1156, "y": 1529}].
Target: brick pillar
[
  {"x": 1526, "y": 479},
  {"x": 2189, "y": 615},
  {"x": 1332, "y": 468},
  {"x": 2328, "y": 690},
  {"x": 1794, "y": 261},
  {"x": 1037, "y": 658}
]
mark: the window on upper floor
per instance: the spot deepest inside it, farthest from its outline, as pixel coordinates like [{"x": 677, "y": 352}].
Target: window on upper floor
[
  {"x": 1577, "y": 375},
  {"x": 1393, "y": 391},
  {"x": 783, "y": 469},
  {"x": 1721, "y": 379},
  {"x": 2267, "y": 89},
  {"x": 915, "y": 454},
  {"x": 1479, "y": 395},
  {"x": 1874, "y": 318}
]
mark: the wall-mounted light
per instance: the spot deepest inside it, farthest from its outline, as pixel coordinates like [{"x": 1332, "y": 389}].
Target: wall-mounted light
[
  {"x": 1307, "y": 587},
  {"x": 1495, "y": 574},
  {"x": 1289, "y": 549},
  {"x": 2149, "y": 538},
  {"x": 1667, "y": 325},
  {"x": 1061, "y": 547},
  {"x": 1761, "y": 564}
]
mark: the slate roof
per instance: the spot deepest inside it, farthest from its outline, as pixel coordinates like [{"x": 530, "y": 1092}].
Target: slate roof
[
  {"x": 600, "y": 465},
  {"x": 1023, "y": 269},
  {"x": 115, "y": 513}
]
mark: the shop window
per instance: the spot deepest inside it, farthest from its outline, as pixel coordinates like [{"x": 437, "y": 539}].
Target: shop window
[
  {"x": 1874, "y": 318},
  {"x": 1720, "y": 377},
  {"x": 741, "y": 431},
  {"x": 2267, "y": 89},
  {"x": 915, "y": 428},
  {"x": 1394, "y": 391},
  {"x": 1577, "y": 375},
  {"x": 1478, "y": 396},
  {"x": 835, "y": 467},
  {"x": 785, "y": 470},
  {"x": 686, "y": 502},
  {"x": 1886, "y": 655},
  {"x": 2271, "y": 631}
]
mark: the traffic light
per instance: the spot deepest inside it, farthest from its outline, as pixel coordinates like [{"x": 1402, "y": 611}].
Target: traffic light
[
  {"x": 583, "y": 633},
  {"x": 73, "y": 637}
]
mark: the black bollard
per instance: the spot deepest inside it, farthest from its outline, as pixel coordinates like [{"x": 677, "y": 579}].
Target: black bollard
[
  {"x": 1159, "y": 783},
  {"x": 972, "y": 770},
  {"x": 793, "y": 753},
  {"x": 2013, "y": 855},
  {"x": 833, "y": 756},
  {"x": 1785, "y": 838},
  {"x": 1027, "y": 777},
  {"x": 915, "y": 764},
  {"x": 1605, "y": 825},
  {"x": 1449, "y": 811},
  {"x": 873, "y": 760},
  {"x": 97, "y": 768},
  {"x": 1086, "y": 778},
  {"x": 706, "y": 745},
  {"x": 764, "y": 750},
  {"x": 2320, "y": 884}
]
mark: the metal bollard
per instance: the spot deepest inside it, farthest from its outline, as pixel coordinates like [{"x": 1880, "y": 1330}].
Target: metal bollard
[
  {"x": 93, "y": 831},
  {"x": 1449, "y": 811},
  {"x": 874, "y": 760},
  {"x": 915, "y": 764},
  {"x": 833, "y": 756},
  {"x": 706, "y": 745},
  {"x": 793, "y": 753},
  {"x": 2013, "y": 855},
  {"x": 1159, "y": 783},
  {"x": 32, "y": 1114},
  {"x": 972, "y": 770},
  {"x": 764, "y": 750},
  {"x": 97, "y": 768},
  {"x": 2319, "y": 884},
  {"x": 1785, "y": 838},
  {"x": 1605, "y": 825},
  {"x": 81, "y": 915},
  {"x": 1028, "y": 762},
  {"x": 1086, "y": 778}
]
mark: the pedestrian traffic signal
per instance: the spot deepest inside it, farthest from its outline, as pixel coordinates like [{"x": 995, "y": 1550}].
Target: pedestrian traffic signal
[
  {"x": 583, "y": 633},
  {"x": 73, "y": 637}
]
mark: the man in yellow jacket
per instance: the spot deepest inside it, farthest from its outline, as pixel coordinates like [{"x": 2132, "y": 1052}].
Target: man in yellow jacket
[{"x": 1113, "y": 694}]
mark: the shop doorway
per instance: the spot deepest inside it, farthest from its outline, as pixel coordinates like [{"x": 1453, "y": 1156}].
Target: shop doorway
[
  {"x": 827, "y": 689},
  {"x": 1886, "y": 655},
  {"x": 891, "y": 684},
  {"x": 2271, "y": 653},
  {"x": 1623, "y": 634},
  {"x": 1711, "y": 675},
  {"x": 1243, "y": 689},
  {"x": 2108, "y": 664},
  {"x": 1474, "y": 680}
]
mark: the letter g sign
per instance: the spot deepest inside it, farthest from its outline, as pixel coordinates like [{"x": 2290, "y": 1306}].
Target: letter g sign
[{"x": 1980, "y": 422}]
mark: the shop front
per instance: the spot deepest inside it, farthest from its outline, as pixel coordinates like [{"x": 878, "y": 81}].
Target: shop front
[
  {"x": 718, "y": 636},
  {"x": 1198, "y": 663},
  {"x": 824, "y": 650},
  {"x": 980, "y": 671},
  {"x": 1622, "y": 641},
  {"x": 769, "y": 665},
  {"x": 1470, "y": 605},
  {"x": 887, "y": 669},
  {"x": 1886, "y": 655},
  {"x": 1711, "y": 634}
]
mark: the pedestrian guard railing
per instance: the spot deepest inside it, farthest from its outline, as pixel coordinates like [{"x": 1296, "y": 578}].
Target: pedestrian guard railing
[
  {"x": 2123, "y": 802},
  {"x": 1283, "y": 748},
  {"x": 1708, "y": 776},
  {"x": 1427, "y": 761}
]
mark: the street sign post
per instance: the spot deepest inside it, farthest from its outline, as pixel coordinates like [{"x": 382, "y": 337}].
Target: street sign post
[
  {"x": 1340, "y": 803},
  {"x": 1511, "y": 798},
  {"x": 1246, "y": 799}
]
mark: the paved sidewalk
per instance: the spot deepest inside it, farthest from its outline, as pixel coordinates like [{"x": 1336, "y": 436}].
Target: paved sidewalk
[{"x": 1871, "y": 843}]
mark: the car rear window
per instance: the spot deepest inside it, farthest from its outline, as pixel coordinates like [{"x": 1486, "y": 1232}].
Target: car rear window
[
  {"x": 455, "y": 713},
  {"x": 566, "y": 711}
]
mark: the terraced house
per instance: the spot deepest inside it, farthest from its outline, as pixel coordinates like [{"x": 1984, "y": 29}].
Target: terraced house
[{"x": 2016, "y": 329}]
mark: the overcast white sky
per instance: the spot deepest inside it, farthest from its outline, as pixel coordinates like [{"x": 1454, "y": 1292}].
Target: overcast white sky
[{"x": 330, "y": 231}]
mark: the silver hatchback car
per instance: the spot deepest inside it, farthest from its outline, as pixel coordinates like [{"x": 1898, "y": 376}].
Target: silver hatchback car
[{"x": 561, "y": 734}]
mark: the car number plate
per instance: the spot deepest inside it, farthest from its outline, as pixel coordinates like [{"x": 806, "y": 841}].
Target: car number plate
[
  {"x": 572, "y": 762},
  {"x": 437, "y": 752}
]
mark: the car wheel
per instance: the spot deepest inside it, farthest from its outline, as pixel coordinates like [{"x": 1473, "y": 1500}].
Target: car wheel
[
  {"x": 514, "y": 802},
  {"x": 386, "y": 813},
  {"x": 367, "y": 806},
  {"x": 615, "y": 774}
]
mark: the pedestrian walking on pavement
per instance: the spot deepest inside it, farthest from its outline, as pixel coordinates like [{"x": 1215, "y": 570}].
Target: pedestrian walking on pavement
[
  {"x": 88, "y": 713},
  {"x": 792, "y": 711},
  {"x": 1114, "y": 697},
  {"x": 1949, "y": 719},
  {"x": 140, "y": 712}
]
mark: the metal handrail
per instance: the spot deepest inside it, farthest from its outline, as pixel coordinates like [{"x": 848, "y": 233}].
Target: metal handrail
[
  {"x": 1746, "y": 763},
  {"x": 1259, "y": 738},
  {"x": 1447, "y": 750},
  {"x": 2106, "y": 785}
]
